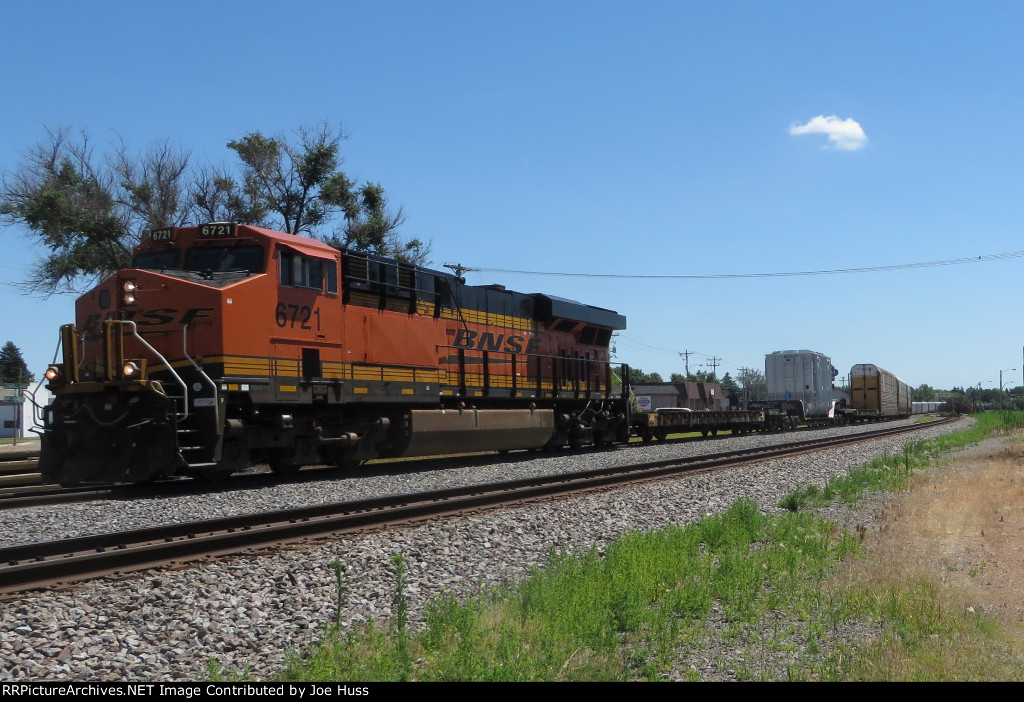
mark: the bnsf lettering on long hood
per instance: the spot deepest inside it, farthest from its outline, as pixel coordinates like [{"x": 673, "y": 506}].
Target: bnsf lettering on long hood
[{"x": 492, "y": 341}]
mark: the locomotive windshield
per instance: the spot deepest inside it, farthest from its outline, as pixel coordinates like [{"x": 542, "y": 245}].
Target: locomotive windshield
[
  {"x": 212, "y": 265},
  {"x": 224, "y": 259},
  {"x": 157, "y": 260}
]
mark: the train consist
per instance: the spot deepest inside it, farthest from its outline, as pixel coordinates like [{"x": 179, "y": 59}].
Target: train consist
[
  {"x": 225, "y": 345},
  {"x": 801, "y": 392}
]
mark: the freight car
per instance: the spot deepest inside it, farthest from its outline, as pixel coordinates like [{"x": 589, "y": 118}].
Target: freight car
[
  {"x": 875, "y": 393},
  {"x": 673, "y": 420},
  {"x": 225, "y": 345},
  {"x": 801, "y": 389}
]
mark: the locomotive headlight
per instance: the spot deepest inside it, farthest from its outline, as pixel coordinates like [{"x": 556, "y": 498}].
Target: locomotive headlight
[
  {"x": 130, "y": 369},
  {"x": 52, "y": 373},
  {"x": 129, "y": 287}
]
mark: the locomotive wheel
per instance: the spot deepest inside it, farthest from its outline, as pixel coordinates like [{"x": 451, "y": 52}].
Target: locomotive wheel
[
  {"x": 281, "y": 462},
  {"x": 288, "y": 460},
  {"x": 234, "y": 457},
  {"x": 345, "y": 459},
  {"x": 283, "y": 468},
  {"x": 215, "y": 474}
]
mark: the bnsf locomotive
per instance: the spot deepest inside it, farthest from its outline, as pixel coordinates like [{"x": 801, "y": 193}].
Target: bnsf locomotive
[{"x": 225, "y": 345}]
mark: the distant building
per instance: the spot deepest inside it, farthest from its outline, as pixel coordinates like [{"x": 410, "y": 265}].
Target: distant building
[
  {"x": 17, "y": 413},
  {"x": 695, "y": 396},
  {"x": 11, "y": 414}
]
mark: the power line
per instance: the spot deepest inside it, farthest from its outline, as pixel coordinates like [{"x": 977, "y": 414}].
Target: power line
[{"x": 712, "y": 276}]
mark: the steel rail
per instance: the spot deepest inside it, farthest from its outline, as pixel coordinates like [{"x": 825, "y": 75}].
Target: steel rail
[
  {"x": 25, "y": 487},
  {"x": 35, "y": 565}
]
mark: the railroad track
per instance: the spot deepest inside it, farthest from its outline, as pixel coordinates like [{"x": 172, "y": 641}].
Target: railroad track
[
  {"x": 19, "y": 467},
  {"x": 21, "y": 484},
  {"x": 49, "y": 564}
]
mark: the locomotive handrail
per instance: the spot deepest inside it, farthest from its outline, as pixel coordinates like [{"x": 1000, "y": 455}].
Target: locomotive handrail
[
  {"x": 170, "y": 369},
  {"x": 599, "y": 388},
  {"x": 204, "y": 376},
  {"x": 37, "y": 409}
]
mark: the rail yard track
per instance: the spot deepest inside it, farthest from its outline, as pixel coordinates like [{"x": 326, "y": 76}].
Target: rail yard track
[{"x": 60, "y": 563}]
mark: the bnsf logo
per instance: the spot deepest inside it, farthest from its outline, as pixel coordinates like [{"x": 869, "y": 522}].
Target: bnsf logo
[
  {"x": 155, "y": 317},
  {"x": 489, "y": 341}
]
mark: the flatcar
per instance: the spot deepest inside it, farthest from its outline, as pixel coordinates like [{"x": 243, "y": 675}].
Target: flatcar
[
  {"x": 877, "y": 393},
  {"x": 226, "y": 344},
  {"x": 658, "y": 424}
]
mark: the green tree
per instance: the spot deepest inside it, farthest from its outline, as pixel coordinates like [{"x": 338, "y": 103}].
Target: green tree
[
  {"x": 753, "y": 384},
  {"x": 638, "y": 376},
  {"x": 729, "y": 385},
  {"x": 12, "y": 366},
  {"x": 698, "y": 377},
  {"x": 89, "y": 211},
  {"x": 300, "y": 185},
  {"x": 923, "y": 393},
  {"x": 82, "y": 209}
]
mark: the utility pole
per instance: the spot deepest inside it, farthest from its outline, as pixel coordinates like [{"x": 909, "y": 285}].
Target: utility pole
[
  {"x": 18, "y": 408},
  {"x": 685, "y": 355},
  {"x": 1001, "y": 404},
  {"x": 745, "y": 374},
  {"x": 714, "y": 363},
  {"x": 459, "y": 269}
]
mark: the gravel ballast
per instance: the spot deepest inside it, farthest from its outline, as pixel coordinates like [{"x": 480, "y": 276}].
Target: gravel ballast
[{"x": 248, "y": 612}]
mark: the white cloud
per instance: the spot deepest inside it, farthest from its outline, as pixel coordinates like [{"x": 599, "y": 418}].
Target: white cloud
[{"x": 844, "y": 134}]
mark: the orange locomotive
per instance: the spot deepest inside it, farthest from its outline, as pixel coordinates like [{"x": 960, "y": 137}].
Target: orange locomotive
[{"x": 227, "y": 344}]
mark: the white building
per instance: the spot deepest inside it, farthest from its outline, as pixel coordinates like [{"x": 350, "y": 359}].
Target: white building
[{"x": 17, "y": 412}]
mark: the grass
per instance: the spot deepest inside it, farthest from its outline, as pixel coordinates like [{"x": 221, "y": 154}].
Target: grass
[
  {"x": 612, "y": 616},
  {"x": 890, "y": 473},
  {"x": 789, "y": 596},
  {"x": 33, "y": 440}
]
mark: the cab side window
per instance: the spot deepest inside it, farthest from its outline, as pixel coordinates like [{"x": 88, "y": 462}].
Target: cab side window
[{"x": 301, "y": 271}]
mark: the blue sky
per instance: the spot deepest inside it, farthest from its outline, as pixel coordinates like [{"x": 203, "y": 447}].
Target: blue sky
[{"x": 625, "y": 138}]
